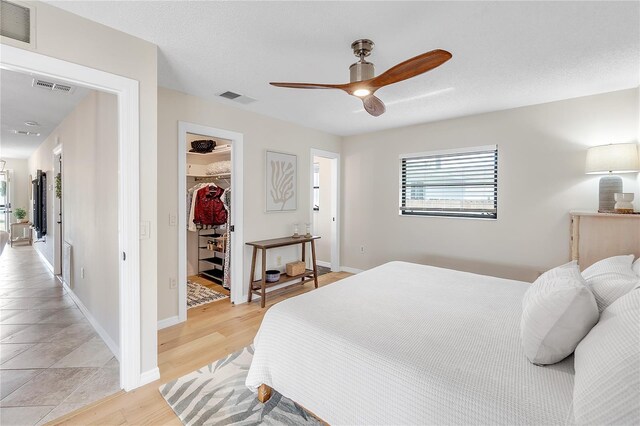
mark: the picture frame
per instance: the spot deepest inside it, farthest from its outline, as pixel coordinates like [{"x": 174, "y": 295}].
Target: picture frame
[{"x": 281, "y": 182}]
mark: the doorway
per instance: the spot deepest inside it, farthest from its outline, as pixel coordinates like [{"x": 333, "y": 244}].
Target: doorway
[
  {"x": 325, "y": 206},
  {"x": 210, "y": 254},
  {"x": 127, "y": 92}
]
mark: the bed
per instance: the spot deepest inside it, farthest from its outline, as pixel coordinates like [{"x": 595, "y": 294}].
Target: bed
[{"x": 409, "y": 344}]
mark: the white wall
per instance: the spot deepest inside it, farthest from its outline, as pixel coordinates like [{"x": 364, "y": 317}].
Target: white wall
[
  {"x": 89, "y": 137},
  {"x": 322, "y": 218},
  {"x": 20, "y": 183},
  {"x": 260, "y": 133},
  {"x": 542, "y": 151},
  {"x": 66, "y": 36}
]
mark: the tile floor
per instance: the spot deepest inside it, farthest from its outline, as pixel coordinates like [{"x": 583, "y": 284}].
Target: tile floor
[{"x": 51, "y": 360}]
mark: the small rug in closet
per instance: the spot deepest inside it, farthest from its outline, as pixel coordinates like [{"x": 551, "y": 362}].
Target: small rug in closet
[
  {"x": 198, "y": 294},
  {"x": 216, "y": 395}
]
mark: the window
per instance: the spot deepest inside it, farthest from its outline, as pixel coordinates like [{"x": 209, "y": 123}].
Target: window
[
  {"x": 316, "y": 186},
  {"x": 454, "y": 183}
]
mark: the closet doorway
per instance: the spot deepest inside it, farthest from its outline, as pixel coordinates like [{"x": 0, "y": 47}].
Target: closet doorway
[
  {"x": 325, "y": 206},
  {"x": 210, "y": 246}
]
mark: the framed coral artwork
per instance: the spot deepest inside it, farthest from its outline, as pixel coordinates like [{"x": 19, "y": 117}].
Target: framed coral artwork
[{"x": 281, "y": 182}]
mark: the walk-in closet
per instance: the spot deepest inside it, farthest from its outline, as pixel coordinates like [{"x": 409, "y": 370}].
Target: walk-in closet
[{"x": 209, "y": 189}]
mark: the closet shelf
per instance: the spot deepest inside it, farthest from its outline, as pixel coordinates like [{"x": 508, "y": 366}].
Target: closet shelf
[
  {"x": 211, "y": 237},
  {"x": 213, "y": 153},
  {"x": 214, "y": 230},
  {"x": 215, "y": 260},
  {"x": 221, "y": 251},
  {"x": 216, "y": 274},
  {"x": 218, "y": 175}
]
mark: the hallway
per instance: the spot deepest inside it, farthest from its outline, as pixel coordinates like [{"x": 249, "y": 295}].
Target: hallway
[{"x": 51, "y": 359}]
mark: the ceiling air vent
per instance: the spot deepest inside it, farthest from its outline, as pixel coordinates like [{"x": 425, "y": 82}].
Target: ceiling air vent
[
  {"x": 52, "y": 86},
  {"x": 230, "y": 95},
  {"x": 15, "y": 21},
  {"x": 236, "y": 97}
]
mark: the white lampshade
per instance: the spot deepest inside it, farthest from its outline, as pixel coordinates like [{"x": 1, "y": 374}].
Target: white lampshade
[{"x": 614, "y": 158}]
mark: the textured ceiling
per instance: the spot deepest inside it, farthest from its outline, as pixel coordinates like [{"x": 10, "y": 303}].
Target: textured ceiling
[
  {"x": 505, "y": 54},
  {"x": 20, "y": 102}
]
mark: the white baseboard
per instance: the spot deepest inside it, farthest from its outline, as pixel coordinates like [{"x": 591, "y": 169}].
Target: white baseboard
[
  {"x": 94, "y": 323},
  {"x": 46, "y": 261},
  {"x": 323, "y": 263},
  {"x": 350, "y": 270},
  {"x": 168, "y": 322},
  {"x": 149, "y": 376}
]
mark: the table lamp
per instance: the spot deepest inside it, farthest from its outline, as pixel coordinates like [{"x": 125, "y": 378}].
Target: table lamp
[{"x": 610, "y": 159}]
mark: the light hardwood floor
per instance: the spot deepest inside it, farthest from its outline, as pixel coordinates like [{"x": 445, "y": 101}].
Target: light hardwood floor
[
  {"x": 209, "y": 284},
  {"x": 211, "y": 332}
]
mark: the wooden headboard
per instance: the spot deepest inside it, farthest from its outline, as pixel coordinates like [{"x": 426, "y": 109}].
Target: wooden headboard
[{"x": 596, "y": 236}]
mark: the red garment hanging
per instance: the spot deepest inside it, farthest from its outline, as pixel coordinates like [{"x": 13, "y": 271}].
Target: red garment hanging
[{"x": 209, "y": 209}]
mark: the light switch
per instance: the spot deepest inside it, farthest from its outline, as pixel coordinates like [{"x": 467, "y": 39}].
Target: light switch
[
  {"x": 145, "y": 230},
  {"x": 172, "y": 220}
]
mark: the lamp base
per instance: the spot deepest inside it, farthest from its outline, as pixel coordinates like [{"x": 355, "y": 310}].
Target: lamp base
[{"x": 609, "y": 185}]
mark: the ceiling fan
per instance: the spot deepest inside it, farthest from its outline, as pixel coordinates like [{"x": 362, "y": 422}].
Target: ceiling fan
[{"x": 363, "y": 84}]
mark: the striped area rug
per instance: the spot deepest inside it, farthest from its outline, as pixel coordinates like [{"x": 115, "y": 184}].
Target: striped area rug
[
  {"x": 197, "y": 295},
  {"x": 216, "y": 395}
]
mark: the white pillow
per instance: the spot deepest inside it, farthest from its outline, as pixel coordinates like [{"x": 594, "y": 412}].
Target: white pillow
[
  {"x": 636, "y": 267},
  {"x": 607, "y": 364},
  {"x": 610, "y": 279},
  {"x": 558, "y": 310}
]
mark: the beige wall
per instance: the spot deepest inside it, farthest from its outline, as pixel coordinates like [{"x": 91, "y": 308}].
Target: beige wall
[
  {"x": 66, "y": 36},
  {"x": 322, "y": 218},
  {"x": 20, "y": 183},
  {"x": 260, "y": 133},
  {"x": 542, "y": 150},
  {"x": 89, "y": 138}
]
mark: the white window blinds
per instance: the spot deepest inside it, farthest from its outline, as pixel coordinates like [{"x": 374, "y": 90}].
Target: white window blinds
[{"x": 457, "y": 183}]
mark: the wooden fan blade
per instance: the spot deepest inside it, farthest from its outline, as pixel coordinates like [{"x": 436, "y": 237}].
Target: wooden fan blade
[
  {"x": 410, "y": 68},
  {"x": 373, "y": 105},
  {"x": 310, "y": 86}
]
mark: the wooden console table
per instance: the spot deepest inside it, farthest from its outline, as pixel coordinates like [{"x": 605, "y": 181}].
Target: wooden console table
[{"x": 259, "y": 287}]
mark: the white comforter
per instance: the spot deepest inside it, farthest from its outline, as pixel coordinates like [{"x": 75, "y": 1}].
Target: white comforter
[{"x": 409, "y": 344}]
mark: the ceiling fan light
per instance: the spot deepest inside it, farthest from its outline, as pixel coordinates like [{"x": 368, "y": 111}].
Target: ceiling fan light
[{"x": 362, "y": 92}]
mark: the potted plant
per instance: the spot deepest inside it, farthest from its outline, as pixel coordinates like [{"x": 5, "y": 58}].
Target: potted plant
[{"x": 20, "y": 214}]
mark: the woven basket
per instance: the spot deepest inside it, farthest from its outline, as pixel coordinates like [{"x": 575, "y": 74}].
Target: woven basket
[{"x": 295, "y": 268}]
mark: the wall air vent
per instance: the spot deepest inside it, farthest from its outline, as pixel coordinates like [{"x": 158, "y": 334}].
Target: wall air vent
[
  {"x": 15, "y": 21},
  {"x": 52, "y": 86},
  {"x": 236, "y": 97}
]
